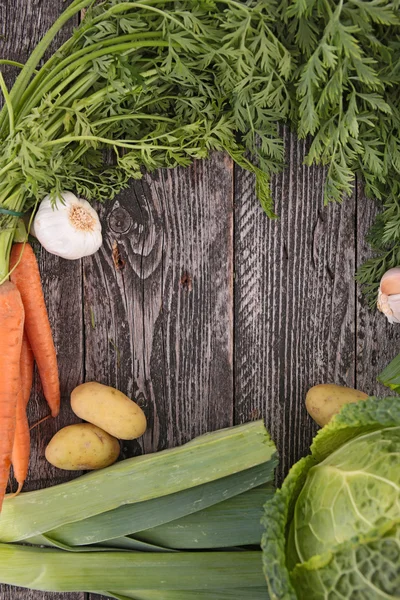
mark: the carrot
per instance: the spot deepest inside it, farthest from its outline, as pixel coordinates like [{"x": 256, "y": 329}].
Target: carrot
[
  {"x": 11, "y": 332},
  {"x": 22, "y": 439},
  {"x": 26, "y": 367},
  {"x": 26, "y": 277}
]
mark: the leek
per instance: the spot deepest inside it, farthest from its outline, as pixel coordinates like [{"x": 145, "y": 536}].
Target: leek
[
  {"x": 260, "y": 593},
  {"x": 232, "y": 523},
  {"x": 235, "y": 522},
  {"x": 57, "y": 571},
  {"x": 204, "y": 459},
  {"x": 131, "y": 518},
  {"x": 122, "y": 543}
]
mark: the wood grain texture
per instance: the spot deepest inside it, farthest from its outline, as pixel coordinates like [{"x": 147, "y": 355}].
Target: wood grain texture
[
  {"x": 195, "y": 341},
  {"x": 378, "y": 342},
  {"x": 23, "y": 24},
  {"x": 159, "y": 322},
  {"x": 294, "y": 301}
]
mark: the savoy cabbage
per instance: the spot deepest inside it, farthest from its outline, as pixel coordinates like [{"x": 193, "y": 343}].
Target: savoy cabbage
[{"x": 332, "y": 532}]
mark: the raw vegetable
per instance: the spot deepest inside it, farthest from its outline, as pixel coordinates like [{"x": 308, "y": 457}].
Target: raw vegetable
[
  {"x": 325, "y": 400},
  {"x": 234, "y": 522},
  {"x": 389, "y": 295},
  {"x": 109, "y": 409},
  {"x": 333, "y": 528},
  {"x": 69, "y": 228},
  {"x": 390, "y": 376},
  {"x": 82, "y": 447},
  {"x": 25, "y": 275},
  {"x": 11, "y": 332},
  {"x": 21, "y": 447},
  {"x": 54, "y": 570},
  {"x": 238, "y": 594},
  {"x": 117, "y": 544},
  {"x": 225, "y": 511},
  {"x": 131, "y": 518},
  {"x": 26, "y": 368},
  {"x": 205, "y": 459}
]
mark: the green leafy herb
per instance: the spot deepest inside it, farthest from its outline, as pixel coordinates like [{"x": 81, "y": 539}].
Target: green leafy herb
[{"x": 159, "y": 84}]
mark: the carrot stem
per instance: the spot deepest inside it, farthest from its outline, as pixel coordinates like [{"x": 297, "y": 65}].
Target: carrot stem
[
  {"x": 8, "y": 102},
  {"x": 6, "y": 238}
]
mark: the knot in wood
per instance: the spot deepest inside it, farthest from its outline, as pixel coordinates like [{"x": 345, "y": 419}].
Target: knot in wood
[{"x": 120, "y": 220}]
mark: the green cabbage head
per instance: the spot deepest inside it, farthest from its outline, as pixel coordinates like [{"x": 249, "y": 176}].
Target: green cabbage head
[{"x": 332, "y": 532}]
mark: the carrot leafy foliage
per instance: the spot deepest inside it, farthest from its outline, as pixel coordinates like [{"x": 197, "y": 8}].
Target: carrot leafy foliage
[{"x": 163, "y": 82}]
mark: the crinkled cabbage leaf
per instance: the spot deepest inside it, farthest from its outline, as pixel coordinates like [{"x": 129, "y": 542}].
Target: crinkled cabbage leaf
[{"x": 332, "y": 530}]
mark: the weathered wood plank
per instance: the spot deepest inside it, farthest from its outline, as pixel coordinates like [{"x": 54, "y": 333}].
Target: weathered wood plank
[
  {"x": 195, "y": 343},
  {"x": 22, "y": 24},
  {"x": 378, "y": 342},
  {"x": 294, "y": 301},
  {"x": 160, "y": 326}
]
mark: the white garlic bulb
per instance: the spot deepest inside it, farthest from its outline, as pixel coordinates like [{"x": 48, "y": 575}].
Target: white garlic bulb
[
  {"x": 71, "y": 228},
  {"x": 389, "y": 295}
]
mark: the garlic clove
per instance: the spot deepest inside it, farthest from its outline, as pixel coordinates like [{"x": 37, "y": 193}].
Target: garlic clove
[
  {"x": 70, "y": 229},
  {"x": 390, "y": 306},
  {"x": 390, "y": 282}
]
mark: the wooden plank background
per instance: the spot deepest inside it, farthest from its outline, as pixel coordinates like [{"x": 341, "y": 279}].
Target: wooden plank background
[{"x": 215, "y": 315}]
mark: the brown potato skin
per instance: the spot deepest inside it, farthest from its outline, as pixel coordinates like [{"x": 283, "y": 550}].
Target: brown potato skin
[
  {"x": 109, "y": 409},
  {"x": 82, "y": 447},
  {"x": 326, "y": 399}
]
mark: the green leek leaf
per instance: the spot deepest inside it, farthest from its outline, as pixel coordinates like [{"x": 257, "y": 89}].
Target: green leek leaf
[
  {"x": 57, "y": 571},
  {"x": 205, "y": 459},
  {"x": 234, "y": 522},
  {"x": 132, "y": 518}
]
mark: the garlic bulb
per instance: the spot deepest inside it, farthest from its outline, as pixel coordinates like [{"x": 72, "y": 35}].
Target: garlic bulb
[
  {"x": 389, "y": 295},
  {"x": 70, "y": 229}
]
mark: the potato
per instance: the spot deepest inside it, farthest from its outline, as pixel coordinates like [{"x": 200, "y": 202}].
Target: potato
[
  {"x": 109, "y": 409},
  {"x": 325, "y": 400},
  {"x": 82, "y": 447}
]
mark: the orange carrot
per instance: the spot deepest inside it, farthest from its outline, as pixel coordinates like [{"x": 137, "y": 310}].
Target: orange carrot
[
  {"x": 26, "y": 366},
  {"x": 11, "y": 332},
  {"x": 22, "y": 439},
  {"x": 26, "y": 277}
]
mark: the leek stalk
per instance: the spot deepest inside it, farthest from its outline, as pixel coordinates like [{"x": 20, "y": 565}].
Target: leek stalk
[
  {"x": 235, "y": 522},
  {"x": 238, "y": 594},
  {"x": 132, "y": 518},
  {"x": 57, "y": 571},
  {"x": 204, "y": 459}
]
